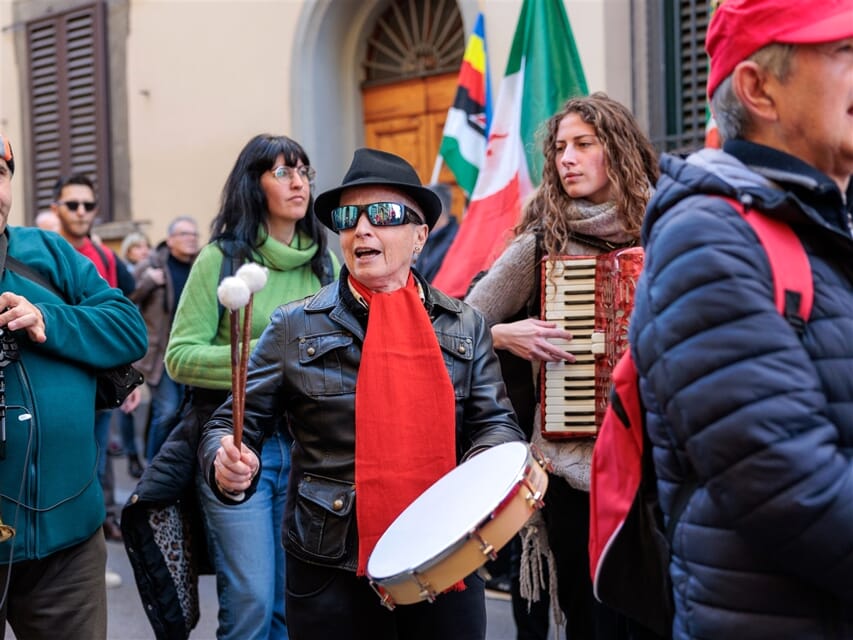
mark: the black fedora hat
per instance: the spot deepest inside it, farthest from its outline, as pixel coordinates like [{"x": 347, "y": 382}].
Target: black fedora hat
[{"x": 374, "y": 167}]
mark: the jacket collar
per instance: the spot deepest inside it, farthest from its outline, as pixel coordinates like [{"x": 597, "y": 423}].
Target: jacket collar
[
  {"x": 333, "y": 296},
  {"x": 779, "y": 184},
  {"x": 785, "y": 170}
]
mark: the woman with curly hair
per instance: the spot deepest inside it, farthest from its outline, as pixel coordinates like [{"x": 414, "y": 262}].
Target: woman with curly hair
[{"x": 598, "y": 175}]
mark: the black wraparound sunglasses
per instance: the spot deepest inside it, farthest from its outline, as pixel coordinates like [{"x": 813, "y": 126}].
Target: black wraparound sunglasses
[
  {"x": 73, "y": 205},
  {"x": 379, "y": 214}
]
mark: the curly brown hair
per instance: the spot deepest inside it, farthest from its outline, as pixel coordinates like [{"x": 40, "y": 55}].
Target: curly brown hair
[{"x": 632, "y": 167}]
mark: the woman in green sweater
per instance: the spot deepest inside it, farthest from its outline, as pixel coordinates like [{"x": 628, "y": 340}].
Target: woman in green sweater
[{"x": 264, "y": 218}]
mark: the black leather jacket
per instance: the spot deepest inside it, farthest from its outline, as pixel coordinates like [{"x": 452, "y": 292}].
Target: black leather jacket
[{"x": 302, "y": 375}]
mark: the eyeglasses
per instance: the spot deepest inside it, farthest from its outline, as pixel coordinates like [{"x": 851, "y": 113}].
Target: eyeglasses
[
  {"x": 185, "y": 234},
  {"x": 305, "y": 172},
  {"x": 5, "y": 149},
  {"x": 7, "y": 155},
  {"x": 73, "y": 205},
  {"x": 380, "y": 214}
]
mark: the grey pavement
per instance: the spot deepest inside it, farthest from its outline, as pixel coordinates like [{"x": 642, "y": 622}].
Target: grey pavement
[{"x": 127, "y": 620}]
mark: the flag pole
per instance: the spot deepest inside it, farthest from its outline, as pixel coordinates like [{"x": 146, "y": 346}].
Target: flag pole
[{"x": 439, "y": 161}]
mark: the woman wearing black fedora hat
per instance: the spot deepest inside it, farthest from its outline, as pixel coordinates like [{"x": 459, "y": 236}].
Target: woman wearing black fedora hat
[{"x": 376, "y": 375}]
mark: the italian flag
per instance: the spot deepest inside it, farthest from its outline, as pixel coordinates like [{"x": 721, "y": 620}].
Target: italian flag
[
  {"x": 542, "y": 72},
  {"x": 463, "y": 142}
]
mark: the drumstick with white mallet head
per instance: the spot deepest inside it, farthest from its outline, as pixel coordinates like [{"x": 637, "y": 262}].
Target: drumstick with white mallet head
[{"x": 237, "y": 292}]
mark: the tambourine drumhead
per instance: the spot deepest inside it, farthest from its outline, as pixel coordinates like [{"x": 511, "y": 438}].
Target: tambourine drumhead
[{"x": 450, "y": 509}]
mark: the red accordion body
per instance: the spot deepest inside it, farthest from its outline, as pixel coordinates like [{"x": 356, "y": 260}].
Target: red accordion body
[{"x": 592, "y": 297}]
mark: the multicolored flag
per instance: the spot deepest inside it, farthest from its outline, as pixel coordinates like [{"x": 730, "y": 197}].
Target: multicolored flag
[
  {"x": 542, "y": 72},
  {"x": 463, "y": 143}
]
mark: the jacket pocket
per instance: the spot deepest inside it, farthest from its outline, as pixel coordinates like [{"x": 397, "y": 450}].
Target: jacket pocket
[
  {"x": 326, "y": 362},
  {"x": 458, "y": 354},
  {"x": 322, "y": 517}
]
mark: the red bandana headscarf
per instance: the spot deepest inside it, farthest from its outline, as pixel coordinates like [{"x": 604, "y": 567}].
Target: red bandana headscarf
[{"x": 405, "y": 422}]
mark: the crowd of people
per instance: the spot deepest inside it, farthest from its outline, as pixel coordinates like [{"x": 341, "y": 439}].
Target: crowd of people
[{"x": 748, "y": 411}]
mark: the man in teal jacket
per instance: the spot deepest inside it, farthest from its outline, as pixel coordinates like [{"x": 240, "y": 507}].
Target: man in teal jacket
[{"x": 52, "y": 568}]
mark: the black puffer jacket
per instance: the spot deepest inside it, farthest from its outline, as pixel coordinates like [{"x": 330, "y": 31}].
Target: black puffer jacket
[
  {"x": 162, "y": 527},
  {"x": 303, "y": 374},
  {"x": 761, "y": 417}
]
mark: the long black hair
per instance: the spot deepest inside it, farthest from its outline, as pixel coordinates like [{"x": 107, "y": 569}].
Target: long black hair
[{"x": 243, "y": 210}]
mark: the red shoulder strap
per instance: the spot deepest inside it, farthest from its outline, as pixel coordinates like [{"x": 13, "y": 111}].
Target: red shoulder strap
[{"x": 788, "y": 260}]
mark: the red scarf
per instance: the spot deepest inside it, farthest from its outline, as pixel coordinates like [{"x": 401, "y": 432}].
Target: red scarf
[
  {"x": 405, "y": 412},
  {"x": 104, "y": 260}
]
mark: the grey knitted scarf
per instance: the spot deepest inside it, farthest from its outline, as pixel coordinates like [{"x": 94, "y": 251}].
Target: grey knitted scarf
[{"x": 597, "y": 220}]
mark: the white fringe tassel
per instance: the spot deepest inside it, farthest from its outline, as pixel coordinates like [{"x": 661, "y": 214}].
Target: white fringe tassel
[{"x": 534, "y": 548}]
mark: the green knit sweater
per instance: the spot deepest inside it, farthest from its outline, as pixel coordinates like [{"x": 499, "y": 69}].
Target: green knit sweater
[{"x": 199, "y": 351}]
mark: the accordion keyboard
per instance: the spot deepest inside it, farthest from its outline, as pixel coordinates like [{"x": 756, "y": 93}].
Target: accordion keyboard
[{"x": 592, "y": 298}]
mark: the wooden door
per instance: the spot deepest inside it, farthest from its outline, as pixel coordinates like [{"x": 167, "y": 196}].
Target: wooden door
[{"x": 407, "y": 118}]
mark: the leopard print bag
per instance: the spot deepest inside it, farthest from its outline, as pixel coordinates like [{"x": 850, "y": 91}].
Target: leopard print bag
[{"x": 173, "y": 535}]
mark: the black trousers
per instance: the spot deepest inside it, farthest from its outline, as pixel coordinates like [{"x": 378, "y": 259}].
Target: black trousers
[
  {"x": 332, "y": 604},
  {"x": 60, "y": 596},
  {"x": 566, "y": 516}
]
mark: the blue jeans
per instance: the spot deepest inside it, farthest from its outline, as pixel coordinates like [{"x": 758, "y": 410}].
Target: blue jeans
[
  {"x": 246, "y": 550},
  {"x": 127, "y": 429},
  {"x": 102, "y": 438},
  {"x": 166, "y": 398}
]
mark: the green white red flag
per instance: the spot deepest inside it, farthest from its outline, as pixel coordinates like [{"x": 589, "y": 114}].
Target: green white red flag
[{"x": 543, "y": 71}]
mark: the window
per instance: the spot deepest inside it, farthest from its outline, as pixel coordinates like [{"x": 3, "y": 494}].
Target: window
[
  {"x": 678, "y": 73},
  {"x": 67, "y": 95},
  {"x": 415, "y": 39}
]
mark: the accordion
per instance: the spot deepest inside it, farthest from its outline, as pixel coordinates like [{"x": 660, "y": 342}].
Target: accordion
[{"x": 591, "y": 297}]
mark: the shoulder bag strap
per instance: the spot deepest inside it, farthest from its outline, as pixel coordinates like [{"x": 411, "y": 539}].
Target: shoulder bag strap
[{"x": 793, "y": 285}]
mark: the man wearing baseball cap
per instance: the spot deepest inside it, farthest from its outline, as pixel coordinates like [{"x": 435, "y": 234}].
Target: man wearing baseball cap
[{"x": 750, "y": 411}]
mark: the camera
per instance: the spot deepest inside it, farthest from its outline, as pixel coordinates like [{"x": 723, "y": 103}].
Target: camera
[{"x": 8, "y": 347}]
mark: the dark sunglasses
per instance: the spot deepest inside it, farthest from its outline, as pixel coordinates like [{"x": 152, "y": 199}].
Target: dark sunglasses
[
  {"x": 380, "y": 214},
  {"x": 73, "y": 205}
]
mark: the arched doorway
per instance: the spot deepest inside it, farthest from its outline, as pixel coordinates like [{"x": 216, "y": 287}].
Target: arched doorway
[
  {"x": 346, "y": 94},
  {"x": 411, "y": 66}
]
